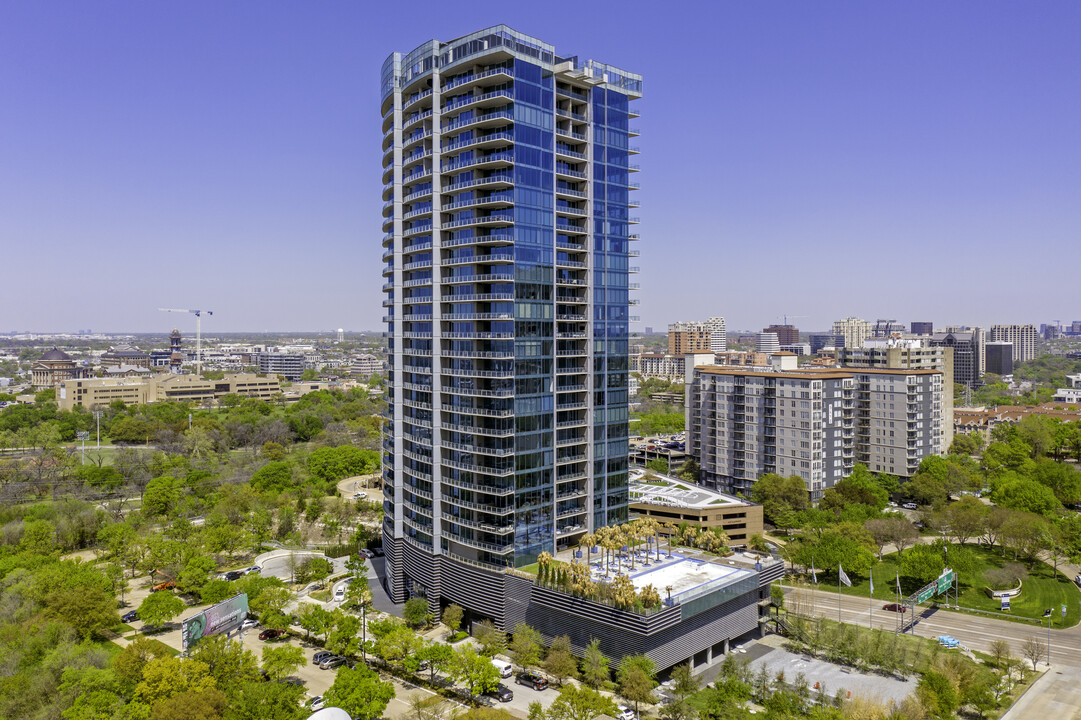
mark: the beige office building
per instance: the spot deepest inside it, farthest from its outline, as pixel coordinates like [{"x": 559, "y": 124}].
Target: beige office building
[
  {"x": 1023, "y": 337},
  {"x": 99, "y": 392},
  {"x": 855, "y": 331}
]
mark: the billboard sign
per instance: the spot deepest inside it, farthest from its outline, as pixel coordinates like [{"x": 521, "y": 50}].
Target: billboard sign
[
  {"x": 223, "y": 618},
  {"x": 1005, "y": 602}
]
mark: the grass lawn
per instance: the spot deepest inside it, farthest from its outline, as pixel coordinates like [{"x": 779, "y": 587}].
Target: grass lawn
[
  {"x": 1041, "y": 590},
  {"x": 121, "y": 628}
]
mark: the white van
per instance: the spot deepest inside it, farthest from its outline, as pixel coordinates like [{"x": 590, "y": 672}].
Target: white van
[{"x": 505, "y": 668}]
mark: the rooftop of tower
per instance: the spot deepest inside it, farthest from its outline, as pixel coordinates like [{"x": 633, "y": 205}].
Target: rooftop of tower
[{"x": 434, "y": 53}]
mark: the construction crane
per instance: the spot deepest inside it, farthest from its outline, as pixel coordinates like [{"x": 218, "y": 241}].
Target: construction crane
[{"x": 198, "y": 333}]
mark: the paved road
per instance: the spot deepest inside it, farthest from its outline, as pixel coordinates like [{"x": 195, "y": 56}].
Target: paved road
[{"x": 1058, "y": 695}]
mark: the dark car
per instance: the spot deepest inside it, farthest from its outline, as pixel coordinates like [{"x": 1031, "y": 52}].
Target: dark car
[
  {"x": 133, "y": 615},
  {"x": 378, "y": 552},
  {"x": 321, "y": 656},
  {"x": 894, "y": 607},
  {"x": 531, "y": 679},
  {"x": 233, "y": 575},
  {"x": 502, "y": 693},
  {"x": 271, "y": 634}
]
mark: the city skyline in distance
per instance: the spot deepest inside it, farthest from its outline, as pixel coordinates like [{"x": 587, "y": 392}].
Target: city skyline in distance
[{"x": 917, "y": 163}]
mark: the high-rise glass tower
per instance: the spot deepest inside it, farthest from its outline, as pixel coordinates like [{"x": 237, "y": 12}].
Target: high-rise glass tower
[{"x": 506, "y": 189}]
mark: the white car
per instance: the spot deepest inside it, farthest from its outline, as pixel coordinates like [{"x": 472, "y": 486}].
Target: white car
[
  {"x": 316, "y": 702},
  {"x": 360, "y": 496},
  {"x": 339, "y": 594},
  {"x": 249, "y": 623},
  {"x": 254, "y": 569},
  {"x": 625, "y": 713}
]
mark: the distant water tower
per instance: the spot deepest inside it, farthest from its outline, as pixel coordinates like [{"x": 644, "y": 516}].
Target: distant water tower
[{"x": 341, "y": 335}]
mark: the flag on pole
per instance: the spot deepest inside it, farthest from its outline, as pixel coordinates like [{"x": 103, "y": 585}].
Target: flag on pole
[
  {"x": 844, "y": 578},
  {"x": 898, "y": 585},
  {"x": 814, "y": 574},
  {"x": 872, "y": 578}
]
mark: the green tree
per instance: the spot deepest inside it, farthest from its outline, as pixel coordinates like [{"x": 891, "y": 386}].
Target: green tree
[
  {"x": 266, "y": 701},
  {"x": 474, "y": 669},
  {"x": 129, "y": 662},
  {"x": 637, "y": 678},
  {"x": 923, "y": 562},
  {"x": 86, "y": 609},
  {"x": 438, "y": 656},
  {"x": 344, "y": 639},
  {"x": 276, "y": 476},
  {"x": 491, "y": 639},
  {"x": 595, "y": 671},
  {"x": 359, "y": 692},
  {"x": 166, "y": 677},
  {"x": 280, "y": 661},
  {"x": 781, "y": 499},
  {"x": 938, "y": 695},
  {"x": 525, "y": 646},
  {"x": 580, "y": 703},
  {"x": 1020, "y": 493},
  {"x": 416, "y": 612},
  {"x": 160, "y": 607},
  {"x": 859, "y": 488},
  {"x": 560, "y": 662},
  {"x": 315, "y": 619},
  {"x": 227, "y": 661},
  {"x": 452, "y": 617},
  {"x": 161, "y": 495},
  {"x": 205, "y": 704}
]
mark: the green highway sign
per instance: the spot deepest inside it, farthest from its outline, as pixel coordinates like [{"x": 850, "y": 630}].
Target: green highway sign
[{"x": 925, "y": 594}]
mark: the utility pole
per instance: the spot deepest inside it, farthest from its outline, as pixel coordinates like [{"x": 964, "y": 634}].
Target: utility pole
[{"x": 97, "y": 418}]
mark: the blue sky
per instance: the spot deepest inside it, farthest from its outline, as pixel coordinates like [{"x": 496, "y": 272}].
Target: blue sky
[{"x": 909, "y": 160}]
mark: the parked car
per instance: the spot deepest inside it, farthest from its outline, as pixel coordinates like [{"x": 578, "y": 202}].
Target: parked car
[
  {"x": 502, "y": 693},
  {"x": 254, "y": 569},
  {"x": 365, "y": 553},
  {"x": 910, "y": 506},
  {"x": 339, "y": 594},
  {"x": 531, "y": 679},
  {"x": 378, "y": 552},
  {"x": 167, "y": 585},
  {"x": 315, "y": 703},
  {"x": 271, "y": 634},
  {"x": 894, "y": 607},
  {"x": 360, "y": 496},
  {"x": 133, "y": 615},
  {"x": 249, "y": 624},
  {"x": 332, "y": 662},
  {"x": 320, "y": 656},
  {"x": 625, "y": 713},
  {"x": 1077, "y": 579},
  {"x": 233, "y": 575}
]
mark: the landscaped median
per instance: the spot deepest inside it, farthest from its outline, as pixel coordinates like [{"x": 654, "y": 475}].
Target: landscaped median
[{"x": 1043, "y": 589}]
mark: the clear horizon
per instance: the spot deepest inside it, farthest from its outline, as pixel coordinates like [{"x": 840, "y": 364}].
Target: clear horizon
[{"x": 916, "y": 161}]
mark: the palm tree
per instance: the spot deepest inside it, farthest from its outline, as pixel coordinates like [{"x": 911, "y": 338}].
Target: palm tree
[{"x": 589, "y": 539}]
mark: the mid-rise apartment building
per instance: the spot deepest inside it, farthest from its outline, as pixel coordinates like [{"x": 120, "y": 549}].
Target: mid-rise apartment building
[
  {"x": 908, "y": 354},
  {"x": 697, "y": 337},
  {"x": 1025, "y": 339},
  {"x": 288, "y": 365},
  {"x": 854, "y": 330},
  {"x": 658, "y": 365},
  {"x": 816, "y": 424}
]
